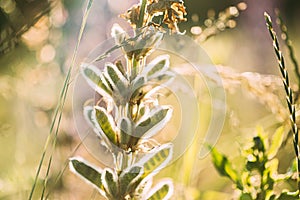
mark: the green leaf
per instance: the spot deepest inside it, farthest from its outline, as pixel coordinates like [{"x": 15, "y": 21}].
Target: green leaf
[
  {"x": 246, "y": 196},
  {"x": 139, "y": 81},
  {"x": 88, "y": 113},
  {"x": 116, "y": 79},
  {"x": 156, "y": 159},
  {"x": 109, "y": 180},
  {"x": 162, "y": 191},
  {"x": 272, "y": 197},
  {"x": 106, "y": 124},
  {"x": 153, "y": 122},
  {"x": 137, "y": 84},
  {"x": 125, "y": 131},
  {"x": 87, "y": 172},
  {"x": 137, "y": 91},
  {"x": 286, "y": 195},
  {"x": 224, "y": 167},
  {"x": 118, "y": 34},
  {"x": 128, "y": 178},
  {"x": 120, "y": 67},
  {"x": 157, "y": 67},
  {"x": 96, "y": 80},
  {"x": 277, "y": 140}
]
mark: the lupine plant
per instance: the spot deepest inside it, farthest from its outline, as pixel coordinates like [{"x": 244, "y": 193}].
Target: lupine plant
[{"x": 127, "y": 115}]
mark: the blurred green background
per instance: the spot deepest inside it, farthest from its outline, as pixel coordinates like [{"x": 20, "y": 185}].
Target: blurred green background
[{"x": 37, "y": 39}]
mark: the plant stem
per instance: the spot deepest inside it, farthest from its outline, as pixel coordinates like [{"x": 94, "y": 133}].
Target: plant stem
[
  {"x": 288, "y": 90},
  {"x": 288, "y": 43},
  {"x": 142, "y": 14}
]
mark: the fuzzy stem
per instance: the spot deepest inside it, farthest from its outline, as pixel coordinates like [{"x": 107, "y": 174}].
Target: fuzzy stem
[
  {"x": 285, "y": 37},
  {"x": 288, "y": 90}
]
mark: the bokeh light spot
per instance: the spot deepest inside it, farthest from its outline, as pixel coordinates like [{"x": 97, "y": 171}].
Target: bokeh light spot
[
  {"x": 47, "y": 53},
  {"x": 242, "y": 6},
  {"x": 196, "y": 30}
]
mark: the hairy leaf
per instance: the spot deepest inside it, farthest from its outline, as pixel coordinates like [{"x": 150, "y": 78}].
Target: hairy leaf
[
  {"x": 157, "y": 67},
  {"x": 118, "y": 34},
  {"x": 87, "y": 172},
  {"x": 116, "y": 79},
  {"x": 125, "y": 131},
  {"x": 156, "y": 159},
  {"x": 109, "y": 180},
  {"x": 128, "y": 178},
  {"x": 136, "y": 86},
  {"x": 162, "y": 191},
  {"x": 153, "y": 122},
  {"x": 95, "y": 79},
  {"x": 121, "y": 67},
  {"x": 106, "y": 123},
  {"x": 137, "y": 91},
  {"x": 138, "y": 82}
]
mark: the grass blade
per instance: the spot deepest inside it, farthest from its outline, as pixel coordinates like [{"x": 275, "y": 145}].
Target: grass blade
[{"x": 59, "y": 108}]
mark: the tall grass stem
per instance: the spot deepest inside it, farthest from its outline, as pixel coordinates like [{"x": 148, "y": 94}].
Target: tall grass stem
[
  {"x": 59, "y": 108},
  {"x": 288, "y": 90},
  {"x": 286, "y": 38}
]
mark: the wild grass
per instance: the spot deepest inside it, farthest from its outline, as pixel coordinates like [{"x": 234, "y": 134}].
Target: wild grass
[
  {"x": 286, "y": 38},
  {"x": 59, "y": 110},
  {"x": 289, "y": 92}
]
